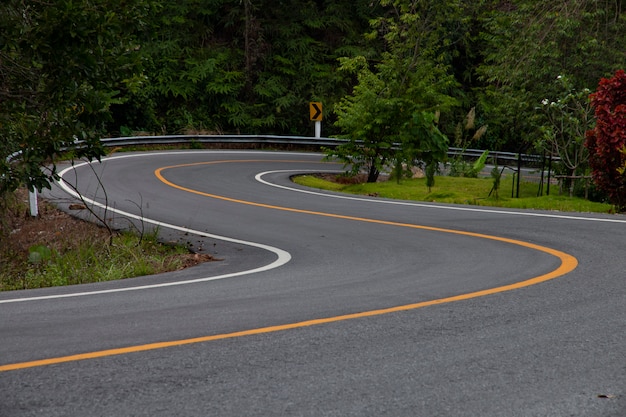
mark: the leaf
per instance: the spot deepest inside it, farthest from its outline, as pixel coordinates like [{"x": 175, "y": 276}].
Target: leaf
[{"x": 38, "y": 254}]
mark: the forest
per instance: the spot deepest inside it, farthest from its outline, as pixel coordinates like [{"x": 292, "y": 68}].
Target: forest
[{"x": 84, "y": 69}]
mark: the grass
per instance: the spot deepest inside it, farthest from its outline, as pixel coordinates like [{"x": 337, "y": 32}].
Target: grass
[
  {"x": 56, "y": 249},
  {"x": 460, "y": 190}
]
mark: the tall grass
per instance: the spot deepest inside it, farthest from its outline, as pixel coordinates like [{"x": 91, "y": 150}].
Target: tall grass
[{"x": 93, "y": 260}]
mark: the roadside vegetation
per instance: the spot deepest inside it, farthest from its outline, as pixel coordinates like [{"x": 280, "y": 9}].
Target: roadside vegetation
[
  {"x": 458, "y": 190},
  {"x": 56, "y": 249}
]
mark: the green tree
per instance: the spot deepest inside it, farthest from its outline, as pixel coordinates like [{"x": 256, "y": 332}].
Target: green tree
[
  {"x": 528, "y": 43},
  {"x": 568, "y": 119},
  {"x": 390, "y": 103},
  {"x": 302, "y": 43},
  {"x": 367, "y": 117},
  {"x": 247, "y": 66},
  {"x": 425, "y": 144},
  {"x": 63, "y": 65}
]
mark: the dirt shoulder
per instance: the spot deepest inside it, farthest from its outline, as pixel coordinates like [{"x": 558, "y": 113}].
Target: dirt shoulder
[{"x": 62, "y": 233}]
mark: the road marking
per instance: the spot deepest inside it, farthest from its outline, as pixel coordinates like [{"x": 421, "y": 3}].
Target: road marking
[{"x": 568, "y": 264}]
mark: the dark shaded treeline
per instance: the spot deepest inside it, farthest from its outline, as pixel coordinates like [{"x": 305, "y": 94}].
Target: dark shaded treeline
[
  {"x": 81, "y": 69},
  {"x": 253, "y": 66}
]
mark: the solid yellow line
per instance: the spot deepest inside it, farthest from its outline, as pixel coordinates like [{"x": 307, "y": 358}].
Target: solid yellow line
[{"x": 568, "y": 264}]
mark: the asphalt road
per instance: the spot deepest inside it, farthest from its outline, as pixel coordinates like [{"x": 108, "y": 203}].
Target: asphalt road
[{"x": 323, "y": 304}]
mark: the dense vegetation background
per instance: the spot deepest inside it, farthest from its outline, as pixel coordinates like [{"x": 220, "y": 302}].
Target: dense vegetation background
[{"x": 80, "y": 69}]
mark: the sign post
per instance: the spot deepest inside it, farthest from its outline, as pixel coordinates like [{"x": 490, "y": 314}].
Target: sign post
[{"x": 315, "y": 114}]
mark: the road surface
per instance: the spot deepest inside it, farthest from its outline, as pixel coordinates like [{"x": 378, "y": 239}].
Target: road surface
[{"x": 323, "y": 304}]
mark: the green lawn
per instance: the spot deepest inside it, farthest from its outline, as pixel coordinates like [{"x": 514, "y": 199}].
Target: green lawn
[{"x": 459, "y": 190}]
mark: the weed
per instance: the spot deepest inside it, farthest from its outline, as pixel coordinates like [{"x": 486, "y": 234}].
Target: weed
[{"x": 56, "y": 249}]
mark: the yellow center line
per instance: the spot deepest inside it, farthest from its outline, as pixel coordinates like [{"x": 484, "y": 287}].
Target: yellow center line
[{"x": 568, "y": 264}]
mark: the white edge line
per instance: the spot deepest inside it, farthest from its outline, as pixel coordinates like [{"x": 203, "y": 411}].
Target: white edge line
[
  {"x": 283, "y": 256},
  {"x": 259, "y": 178}
]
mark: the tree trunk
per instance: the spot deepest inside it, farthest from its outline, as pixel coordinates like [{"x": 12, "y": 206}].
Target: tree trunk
[{"x": 372, "y": 176}]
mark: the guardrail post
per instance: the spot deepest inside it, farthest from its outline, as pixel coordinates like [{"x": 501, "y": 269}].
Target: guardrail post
[
  {"x": 549, "y": 173},
  {"x": 543, "y": 169},
  {"x": 32, "y": 200},
  {"x": 519, "y": 172}
]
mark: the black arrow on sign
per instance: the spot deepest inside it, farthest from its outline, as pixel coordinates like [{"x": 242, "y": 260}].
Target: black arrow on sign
[{"x": 318, "y": 112}]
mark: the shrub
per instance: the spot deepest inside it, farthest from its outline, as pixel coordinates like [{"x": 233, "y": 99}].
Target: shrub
[{"x": 608, "y": 138}]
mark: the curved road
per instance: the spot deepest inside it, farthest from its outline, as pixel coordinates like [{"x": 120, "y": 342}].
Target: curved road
[{"x": 323, "y": 304}]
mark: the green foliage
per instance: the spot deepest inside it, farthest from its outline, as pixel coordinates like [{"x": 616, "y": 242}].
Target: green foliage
[
  {"x": 39, "y": 254},
  {"x": 430, "y": 171},
  {"x": 93, "y": 261},
  {"x": 243, "y": 66},
  {"x": 367, "y": 117},
  {"x": 79, "y": 69},
  {"x": 384, "y": 127},
  {"x": 477, "y": 166},
  {"x": 465, "y": 134},
  {"x": 63, "y": 67},
  {"x": 421, "y": 137},
  {"x": 496, "y": 175},
  {"x": 568, "y": 119},
  {"x": 390, "y": 115},
  {"x": 526, "y": 44},
  {"x": 424, "y": 144}
]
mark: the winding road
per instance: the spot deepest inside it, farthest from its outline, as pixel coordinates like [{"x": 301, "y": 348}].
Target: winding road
[{"x": 322, "y": 304}]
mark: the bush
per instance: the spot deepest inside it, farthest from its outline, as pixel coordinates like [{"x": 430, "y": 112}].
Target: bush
[{"x": 607, "y": 140}]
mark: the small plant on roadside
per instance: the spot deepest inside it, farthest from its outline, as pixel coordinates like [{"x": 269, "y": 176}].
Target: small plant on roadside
[
  {"x": 478, "y": 165},
  {"x": 496, "y": 175},
  {"x": 126, "y": 131},
  {"x": 39, "y": 255},
  {"x": 465, "y": 134},
  {"x": 195, "y": 144}
]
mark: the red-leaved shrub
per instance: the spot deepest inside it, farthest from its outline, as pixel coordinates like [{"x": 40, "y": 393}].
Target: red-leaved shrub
[{"x": 607, "y": 140}]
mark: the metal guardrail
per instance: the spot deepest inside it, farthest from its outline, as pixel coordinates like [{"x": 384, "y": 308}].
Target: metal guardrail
[
  {"x": 216, "y": 139},
  {"x": 288, "y": 140},
  {"x": 505, "y": 156}
]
